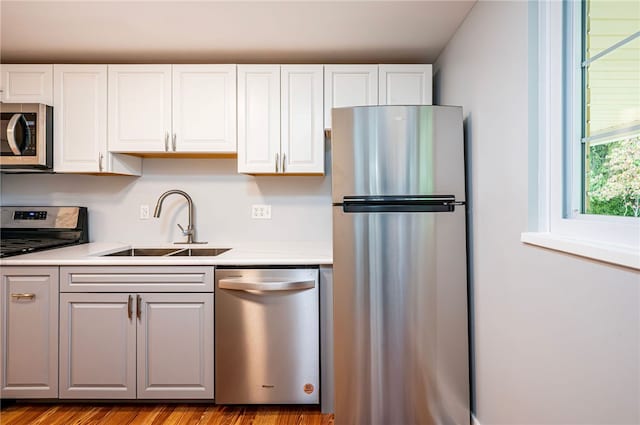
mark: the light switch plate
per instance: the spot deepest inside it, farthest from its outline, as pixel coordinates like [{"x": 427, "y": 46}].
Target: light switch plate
[{"x": 144, "y": 212}]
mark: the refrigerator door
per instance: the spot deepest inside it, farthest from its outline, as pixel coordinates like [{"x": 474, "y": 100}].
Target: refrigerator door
[
  {"x": 400, "y": 318},
  {"x": 396, "y": 150}
]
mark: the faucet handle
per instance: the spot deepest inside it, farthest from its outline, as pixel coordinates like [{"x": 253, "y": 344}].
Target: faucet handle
[{"x": 184, "y": 232}]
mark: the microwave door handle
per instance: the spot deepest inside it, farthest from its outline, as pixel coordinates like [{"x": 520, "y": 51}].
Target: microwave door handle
[{"x": 11, "y": 132}]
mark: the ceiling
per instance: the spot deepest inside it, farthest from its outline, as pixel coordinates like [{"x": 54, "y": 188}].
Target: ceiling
[{"x": 227, "y": 31}]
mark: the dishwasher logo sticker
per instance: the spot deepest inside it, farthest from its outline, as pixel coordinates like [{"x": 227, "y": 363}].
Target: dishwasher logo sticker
[{"x": 308, "y": 388}]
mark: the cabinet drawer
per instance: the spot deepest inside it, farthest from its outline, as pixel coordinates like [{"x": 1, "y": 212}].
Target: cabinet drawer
[{"x": 136, "y": 279}]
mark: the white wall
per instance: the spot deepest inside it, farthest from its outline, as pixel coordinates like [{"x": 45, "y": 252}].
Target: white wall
[
  {"x": 557, "y": 337},
  {"x": 301, "y": 205}
]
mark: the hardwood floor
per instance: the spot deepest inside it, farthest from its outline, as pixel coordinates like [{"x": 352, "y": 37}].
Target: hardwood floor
[{"x": 156, "y": 414}]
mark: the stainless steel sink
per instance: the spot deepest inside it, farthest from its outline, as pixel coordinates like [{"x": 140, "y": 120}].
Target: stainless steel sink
[
  {"x": 199, "y": 252},
  {"x": 142, "y": 252},
  {"x": 168, "y": 252}
]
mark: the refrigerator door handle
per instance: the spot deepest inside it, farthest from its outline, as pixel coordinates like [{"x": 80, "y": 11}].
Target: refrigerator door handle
[{"x": 397, "y": 204}]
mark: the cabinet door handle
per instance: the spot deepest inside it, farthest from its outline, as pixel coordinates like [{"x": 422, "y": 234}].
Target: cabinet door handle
[
  {"x": 166, "y": 141},
  {"x": 130, "y": 307},
  {"x": 138, "y": 306},
  {"x": 283, "y": 161},
  {"x": 276, "y": 163},
  {"x": 100, "y": 158},
  {"x": 173, "y": 144},
  {"x": 23, "y": 295}
]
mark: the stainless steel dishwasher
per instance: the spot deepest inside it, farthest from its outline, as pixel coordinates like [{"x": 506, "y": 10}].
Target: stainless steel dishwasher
[{"x": 267, "y": 336}]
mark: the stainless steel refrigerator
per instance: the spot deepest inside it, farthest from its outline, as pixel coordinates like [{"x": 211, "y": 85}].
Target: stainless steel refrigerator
[{"x": 400, "y": 274}]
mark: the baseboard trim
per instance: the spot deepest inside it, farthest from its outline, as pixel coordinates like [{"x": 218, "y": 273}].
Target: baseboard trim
[{"x": 474, "y": 420}]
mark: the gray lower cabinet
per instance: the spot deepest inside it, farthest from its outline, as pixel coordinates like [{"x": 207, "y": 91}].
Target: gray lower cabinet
[
  {"x": 175, "y": 346},
  {"x": 29, "y": 322},
  {"x": 97, "y": 346},
  {"x": 136, "y": 344}
]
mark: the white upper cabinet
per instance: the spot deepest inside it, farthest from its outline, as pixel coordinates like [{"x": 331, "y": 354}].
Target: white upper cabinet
[
  {"x": 139, "y": 114},
  {"x": 172, "y": 108},
  {"x": 365, "y": 85},
  {"x": 280, "y": 127},
  {"x": 204, "y": 108},
  {"x": 302, "y": 134},
  {"x": 259, "y": 118},
  {"x": 405, "y": 85},
  {"x": 349, "y": 85},
  {"x": 271, "y": 115},
  {"x": 80, "y": 123},
  {"x": 26, "y": 84}
]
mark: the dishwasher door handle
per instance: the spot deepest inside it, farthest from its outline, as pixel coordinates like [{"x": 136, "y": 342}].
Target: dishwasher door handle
[{"x": 244, "y": 284}]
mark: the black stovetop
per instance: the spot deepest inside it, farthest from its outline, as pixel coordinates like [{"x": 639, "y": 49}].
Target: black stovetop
[{"x": 31, "y": 228}]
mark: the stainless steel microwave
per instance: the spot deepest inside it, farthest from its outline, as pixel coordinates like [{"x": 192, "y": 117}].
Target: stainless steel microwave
[{"x": 26, "y": 140}]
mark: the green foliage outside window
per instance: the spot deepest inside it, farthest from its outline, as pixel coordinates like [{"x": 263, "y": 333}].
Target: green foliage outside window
[{"x": 614, "y": 178}]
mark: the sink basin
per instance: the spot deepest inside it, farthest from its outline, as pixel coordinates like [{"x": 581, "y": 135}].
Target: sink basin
[
  {"x": 168, "y": 252},
  {"x": 142, "y": 252},
  {"x": 199, "y": 252}
]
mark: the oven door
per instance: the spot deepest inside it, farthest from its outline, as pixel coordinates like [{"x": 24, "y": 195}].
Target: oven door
[{"x": 26, "y": 137}]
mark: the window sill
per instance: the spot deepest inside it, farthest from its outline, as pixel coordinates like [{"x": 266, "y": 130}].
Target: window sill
[{"x": 624, "y": 256}]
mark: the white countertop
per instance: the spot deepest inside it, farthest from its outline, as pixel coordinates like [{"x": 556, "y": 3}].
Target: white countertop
[{"x": 259, "y": 254}]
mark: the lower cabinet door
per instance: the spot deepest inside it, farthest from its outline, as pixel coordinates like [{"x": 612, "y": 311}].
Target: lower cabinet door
[
  {"x": 97, "y": 346},
  {"x": 29, "y": 332},
  {"x": 175, "y": 346}
]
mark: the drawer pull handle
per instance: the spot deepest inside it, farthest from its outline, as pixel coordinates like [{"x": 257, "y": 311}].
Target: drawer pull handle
[
  {"x": 138, "y": 306},
  {"x": 25, "y": 296}
]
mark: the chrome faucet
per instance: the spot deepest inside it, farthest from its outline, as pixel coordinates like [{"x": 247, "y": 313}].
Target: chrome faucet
[{"x": 190, "y": 231}]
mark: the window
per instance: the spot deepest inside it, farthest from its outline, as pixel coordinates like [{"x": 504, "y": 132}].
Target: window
[
  {"x": 584, "y": 128},
  {"x": 610, "y": 106}
]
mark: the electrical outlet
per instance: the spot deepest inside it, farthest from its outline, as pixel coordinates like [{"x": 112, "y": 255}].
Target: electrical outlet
[
  {"x": 261, "y": 212},
  {"x": 144, "y": 212}
]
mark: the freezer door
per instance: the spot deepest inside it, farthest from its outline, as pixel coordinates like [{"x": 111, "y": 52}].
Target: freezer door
[
  {"x": 397, "y": 150},
  {"x": 400, "y": 318}
]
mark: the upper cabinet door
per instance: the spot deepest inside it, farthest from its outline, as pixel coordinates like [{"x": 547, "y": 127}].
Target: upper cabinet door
[
  {"x": 405, "y": 85},
  {"x": 349, "y": 85},
  {"x": 80, "y": 118},
  {"x": 258, "y": 118},
  {"x": 204, "y": 108},
  {"x": 26, "y": 84},
  {"x": 302, "y": 142},
  {"x": 139, "y": 116}
]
